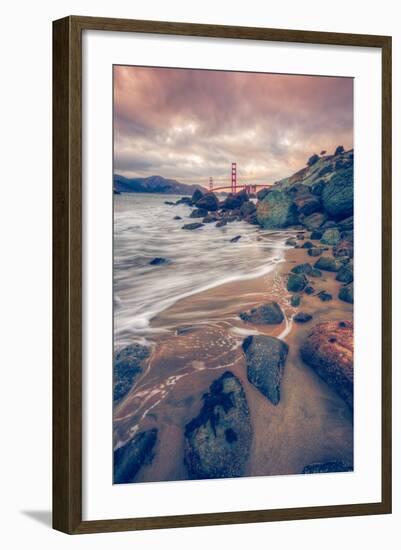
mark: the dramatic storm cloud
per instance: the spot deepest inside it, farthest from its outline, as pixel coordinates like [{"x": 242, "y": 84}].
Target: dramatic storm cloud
[{"x": 191, "y": 124}]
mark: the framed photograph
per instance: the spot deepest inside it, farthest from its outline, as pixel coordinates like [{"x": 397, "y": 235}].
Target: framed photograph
[{"x": 222, "y": 274}]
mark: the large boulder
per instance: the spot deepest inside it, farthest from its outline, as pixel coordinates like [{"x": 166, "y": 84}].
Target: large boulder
[
  {"x": 218, "y": 440},
  {"x": 314, "y": 221},
  {"x": 247, "y": 209},
  {"x": 197, "y": 195},
  {"x": 269, "y": 313},
  {"x": 208, "y": 202},
  {"x": 331, "y": 236},
  {"x": 329, "y": 350},
  {"x": 129, "y": 458},
  {"x": 198, "y": 213},
  {"x": 265, "y": 357},
  {"x": 128, "y": 365},
  {"x": 338, "y": 195},
  {"x": 307, "y": 204},
  {"x": 346, "y": 293},
  {"x": 231, "y": 202},
  {"x": 277, "y": 210}
]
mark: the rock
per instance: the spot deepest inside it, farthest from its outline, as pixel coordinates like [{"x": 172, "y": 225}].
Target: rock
[
  {"x": 197, "y": 195},
  {"x": 314, "y": 252},
  {"x": 276, "y": 210},
  {"x": 231, "y": 202},
  {"x": 309, "y": 289},
  {"x": 307, "y": 244},
  {"x": 347, "y": 293},
  {"x": 198, "y": 213},
  {"x": 252, "y": 219},
  {"x": 302, "y": 317},
  {"x": 128, "y": 365},
  {"x": 210, "y": 218},
  {"x": 158, "y": 261},
  {"x": 347, "y": 224},
  {"x": 314, "y": 221},
  {"x": 338, "y": 195},
  {"x": 313, "y": 159},
  {"x": 316, "y": 235},
  {"x": 317, "y": 187},
  {"x": 177, "y": 218},
  {"x": 302, "y": 268},
  {"x": 346, "y": 274},
  {"x": 307, "y": 204},
  {"x": 191, "y": 226},
  {"x": 235, "y": 239},
  {"x": 265, "y": 356},
  {"x": 329, "y": 224},
  {"x": 269, "y": 313},
  {"x": 327, "y": 263},
  {"x": 327, "y": 467},
  {"x": 247, "y": 209},
  {"x": 296, "y": 282},
  {"x": 339, "y": 150},
  {"x": 218, "y": 441},
  {"x": 315, "y": 272},
  {"x": 221, "y": 223},
  {"x": 262, "y": 193},
  {"x": 344, "y": 248},
  {"x": 129, "y": 458},
  {"x": 242, "y": 196},
  {"x": 330, "y": 236},
  {"x": 295, "y": 300},
  {"x": 169, "y": 203},
  {"x": 208, "y": 202},
  {"x": 184, "y": 200},
  {"x": 291, "y": 242},
  {"x": 300, "y": 236},
  {"x": 329, "y": 350},
  {"x": 324, "y": 296}
]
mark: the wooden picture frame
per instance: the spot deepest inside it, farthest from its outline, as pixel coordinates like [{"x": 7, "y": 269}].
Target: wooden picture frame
[{"x": 67, "y": 273}]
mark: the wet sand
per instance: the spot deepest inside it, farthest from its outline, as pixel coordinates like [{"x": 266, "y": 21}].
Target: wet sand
[{"x": 201, "y": 338}]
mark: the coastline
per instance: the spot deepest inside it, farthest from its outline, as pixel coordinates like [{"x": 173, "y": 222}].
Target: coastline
[{"x": 310, "y": 424}]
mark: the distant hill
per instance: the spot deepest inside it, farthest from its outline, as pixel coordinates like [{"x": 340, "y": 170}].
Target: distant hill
[{"x": 153, "y": 184}]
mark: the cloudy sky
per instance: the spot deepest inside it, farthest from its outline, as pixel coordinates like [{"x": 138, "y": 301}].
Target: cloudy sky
[{"x": 188, "y": 124}]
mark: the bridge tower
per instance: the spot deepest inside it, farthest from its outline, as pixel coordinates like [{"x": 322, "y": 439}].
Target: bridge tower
[
  {"x": 233, "y": 177},
  {"x": 210, "y": 184}
]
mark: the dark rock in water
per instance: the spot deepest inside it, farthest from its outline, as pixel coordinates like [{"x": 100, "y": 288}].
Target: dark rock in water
[
  {"x": 191, "y": 226},
  {"x": 347, "y": 293},
  {"x": 327, "y": 263},
  {"x": 329, "y": 350},
  {"x": 316, "y": 235},
  {"x": 231, "y": 202},
  {"x": 314, "y": 221},
  {"x": 330, "y": 236},
  {"x": 198, "y": 213},
  {"x": 339, "y": 150},
  {"x": 210, "y": 218},
  {"x": 269, "y": 313},
  {"x": 177, "y": 218},
  {"x": 346, "y": 274},
  {"x": 129, "y": 458},
  {"x": 309, "y": 289},
  {"x": 262, "y": 193},
  {"x": 247, "y": 209},
  {"x": 218, "y": 440},
  {"x": 301, "y": 236},
  {"x": 313, "y": 159},
  {"x": 277, "y": 210},
  {"x": 344, "y": 248},
  {"x": 314, "y": 252},
  {"x": 169, "y": 203},
  {"x": 291, "y": 242},
  {"x": 242, "y": 196},
  {"x": 252, "y": 219},
  {"x": 158, "y": 261},
  {"x": 338, "y": 195},
  {"x": 302, "y": 317},
  {"x": 324, "y": 296},
  {"x": 307, "y": 204},
  {"x": 127, "y": 367},
  {"x": 265, "y": 356},
  {"x": 197, "y": 195},
  {"x": 295, "y": 300},
  {"x": 221, "y": 223},
  {"x": 327, "y": 467},
  {"x": 302, "y": 268},
  {"x": 184, "y": 200},
  {"x": 307, "y": 244},
  {"x": 296, "y": 282},
  {"x": 235, "y": 239},
  {"x": 208, "y": 202}
]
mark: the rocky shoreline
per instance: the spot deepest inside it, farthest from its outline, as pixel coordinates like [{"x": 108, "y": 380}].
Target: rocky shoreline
[{"x": 315, "y": 206}]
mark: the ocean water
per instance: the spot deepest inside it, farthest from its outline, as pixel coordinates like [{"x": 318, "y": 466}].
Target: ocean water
[{"x": 144, "y": 228}]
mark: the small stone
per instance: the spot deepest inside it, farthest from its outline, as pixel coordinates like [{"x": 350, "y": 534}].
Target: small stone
[
  {"x": 291, "y": 242},
  {"x": 235, "y": 239},
  {"x": 324, "y": 296},
  {"x": 347, "y": 293},
  {"x": 158, "y": 261},
  {"x": 302, "y": 268},
  {"x": 302, "y": 317},
  {"x": 269, "y": 313},
  {"x": 326, "y": 263},
  {"x": 309, "y": 290},
  {"x": 296, "y": 282},
  {"x": 331, "y": 237},
  {"x": 295, "y": 300},
  {"x": 191, "y": 226},
  {"x": 316, "y": 235},
  {"x": 315, "y": 252}
]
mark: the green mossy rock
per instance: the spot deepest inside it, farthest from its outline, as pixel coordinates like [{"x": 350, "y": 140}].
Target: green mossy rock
[
  {"x": 331, "y": 237},
  {"x": 277, "y": 210},
  {"x": 338, "y": 195},
  {"x": 296, "y": 282},
  {"x": 327, "y": 263}
]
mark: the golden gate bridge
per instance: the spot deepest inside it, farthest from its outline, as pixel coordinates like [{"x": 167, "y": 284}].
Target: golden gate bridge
[{"x": 234, "y": 186}]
